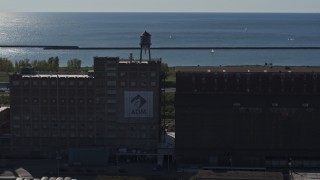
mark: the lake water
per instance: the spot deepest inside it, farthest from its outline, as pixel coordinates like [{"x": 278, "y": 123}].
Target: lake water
[{"x": 167, "y": 30}]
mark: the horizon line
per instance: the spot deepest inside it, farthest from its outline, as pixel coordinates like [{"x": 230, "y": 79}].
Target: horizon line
[{"x": 178, "y": 12}]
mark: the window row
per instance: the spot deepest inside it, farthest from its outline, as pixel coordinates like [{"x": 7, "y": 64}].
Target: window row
[
  {"x": 52, "y": 83},
  {"x": 131, "y": 84},
  {"x": 61, "y": 101}
]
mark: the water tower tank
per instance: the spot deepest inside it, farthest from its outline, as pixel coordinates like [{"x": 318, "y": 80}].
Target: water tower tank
[
  {"x": 145, "y": 39},
  {"x": 145, "y": 43}
]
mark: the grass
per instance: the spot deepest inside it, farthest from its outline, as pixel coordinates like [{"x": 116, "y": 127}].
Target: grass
[
  {"x": 171, "y": 78},
  {"x": 171, "y": 74},
  {"x": 4, "y": 77}
]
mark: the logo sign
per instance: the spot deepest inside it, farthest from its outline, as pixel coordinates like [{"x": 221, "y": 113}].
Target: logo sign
[{"x": 138, "y": 104}]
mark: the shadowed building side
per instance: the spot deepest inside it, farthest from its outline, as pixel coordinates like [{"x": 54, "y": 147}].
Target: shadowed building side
[
  {"x": 127, "y": 95},
  {"x": 246, "y": 116}
]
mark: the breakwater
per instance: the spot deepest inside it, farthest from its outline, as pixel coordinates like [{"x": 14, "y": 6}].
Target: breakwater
[{"x": 158, "y": 48}]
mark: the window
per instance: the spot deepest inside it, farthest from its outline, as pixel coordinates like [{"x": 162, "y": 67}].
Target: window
[
  {"x": 111, "y": 83},
  {"x": 111, "y": 111},
  {"x": 110, "y": 68},
  {"x": 193, "y": 79},
  {"x": 81, "y": 101},
  {"x": 143, "y": 75},
  {"x": 133, "y": 75},
  {"x": 53, "y": 83},
  {"x": 26, "y": 100},
  {"x": 16, "y": 126},
  {"x": 133, "y": 83},
  {"x": 122, "y": 84},
  {"x": 25, "y": 82},
  {"x": 236, "y": 104},
  {"x": 123, "y": 74},
  {"x": 71, "y": 83},
  {"x": 143, "y": 84},
  {"x": 153, "y": 84},
  {"x": 44, "y": 101},
  {"x": 111, "y": 61},
  {"x": 111, "y": 74},
  {"x": 111, "y": 101},
  {"x": 72, "y": 101},
  {"x": 111, "y": 91},
  {"x": 203, "y": 80},
  {"x": 62, "y": 101},
  {"x": 15, "y": 83},
  {"x": 80, "y": 83},
  {"x": 153, "y": 74}
]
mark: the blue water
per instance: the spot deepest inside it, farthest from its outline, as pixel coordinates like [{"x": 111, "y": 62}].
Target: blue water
[{"x": 168, "y": 30}]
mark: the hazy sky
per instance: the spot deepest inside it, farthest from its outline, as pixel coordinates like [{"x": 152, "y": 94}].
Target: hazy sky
[{"x": 160, "y": 5}]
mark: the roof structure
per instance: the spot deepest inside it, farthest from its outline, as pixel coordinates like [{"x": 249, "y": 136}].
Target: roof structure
[
  {"x": 265, "y": 69},
  {"x": 55, "y": 76},
  {"x": 145, "y": 33},
  {"x": 253, "y": 175}
]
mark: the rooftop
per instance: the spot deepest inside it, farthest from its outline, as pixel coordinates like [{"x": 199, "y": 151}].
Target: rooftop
[
  {"x": 247, "y": 69},
  {"x": 3, "y": 108},
  {"x": 55, "y": 76},
  {"x": 137, "y": 61},
  {"x": 254, "y": 175}
]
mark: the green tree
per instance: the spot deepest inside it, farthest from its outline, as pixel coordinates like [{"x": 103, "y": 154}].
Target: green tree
[
  {"x": 40, "y": 65},
  {"x": 165, "y": 69},
  {"x": 5, "y": 100},
  {"x": 53, "y": 63},
  {"x": 74, "y": 64},
  {"x": 6, "y": 65},
  {"x": 21, "y": 63}
]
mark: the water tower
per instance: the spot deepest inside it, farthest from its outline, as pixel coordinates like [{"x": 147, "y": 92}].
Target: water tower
[{"x": 145, "y": 43}]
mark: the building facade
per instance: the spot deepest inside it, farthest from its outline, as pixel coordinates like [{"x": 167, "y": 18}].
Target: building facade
[
  {"x": 53, "y": 113},
  {"x": 248, "y": 116},
  {"x": 128, "y": 102}
]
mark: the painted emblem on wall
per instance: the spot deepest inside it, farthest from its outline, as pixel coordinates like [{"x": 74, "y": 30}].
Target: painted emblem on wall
[{"x": 138, "y": 104}]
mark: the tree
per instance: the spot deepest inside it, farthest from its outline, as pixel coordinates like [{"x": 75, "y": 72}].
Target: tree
[
  {"x": 165, "y": 68},
  {"x": 21, "y": 63},
  {"x": 40, "y": 65},
  {"x": 6, "y": 65},
  {"x": 74, "y": 64},
  {"x": 53, "y": 63},
  {"x": 5, "y": 100}
]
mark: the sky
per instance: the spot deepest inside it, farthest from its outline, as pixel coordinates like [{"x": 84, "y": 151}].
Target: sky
[{"x": 295, "y": 6}]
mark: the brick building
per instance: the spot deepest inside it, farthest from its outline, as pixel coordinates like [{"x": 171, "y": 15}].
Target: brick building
[
  {"x": 116, "y": 106},
  {"x": 248, "y": 116}
]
